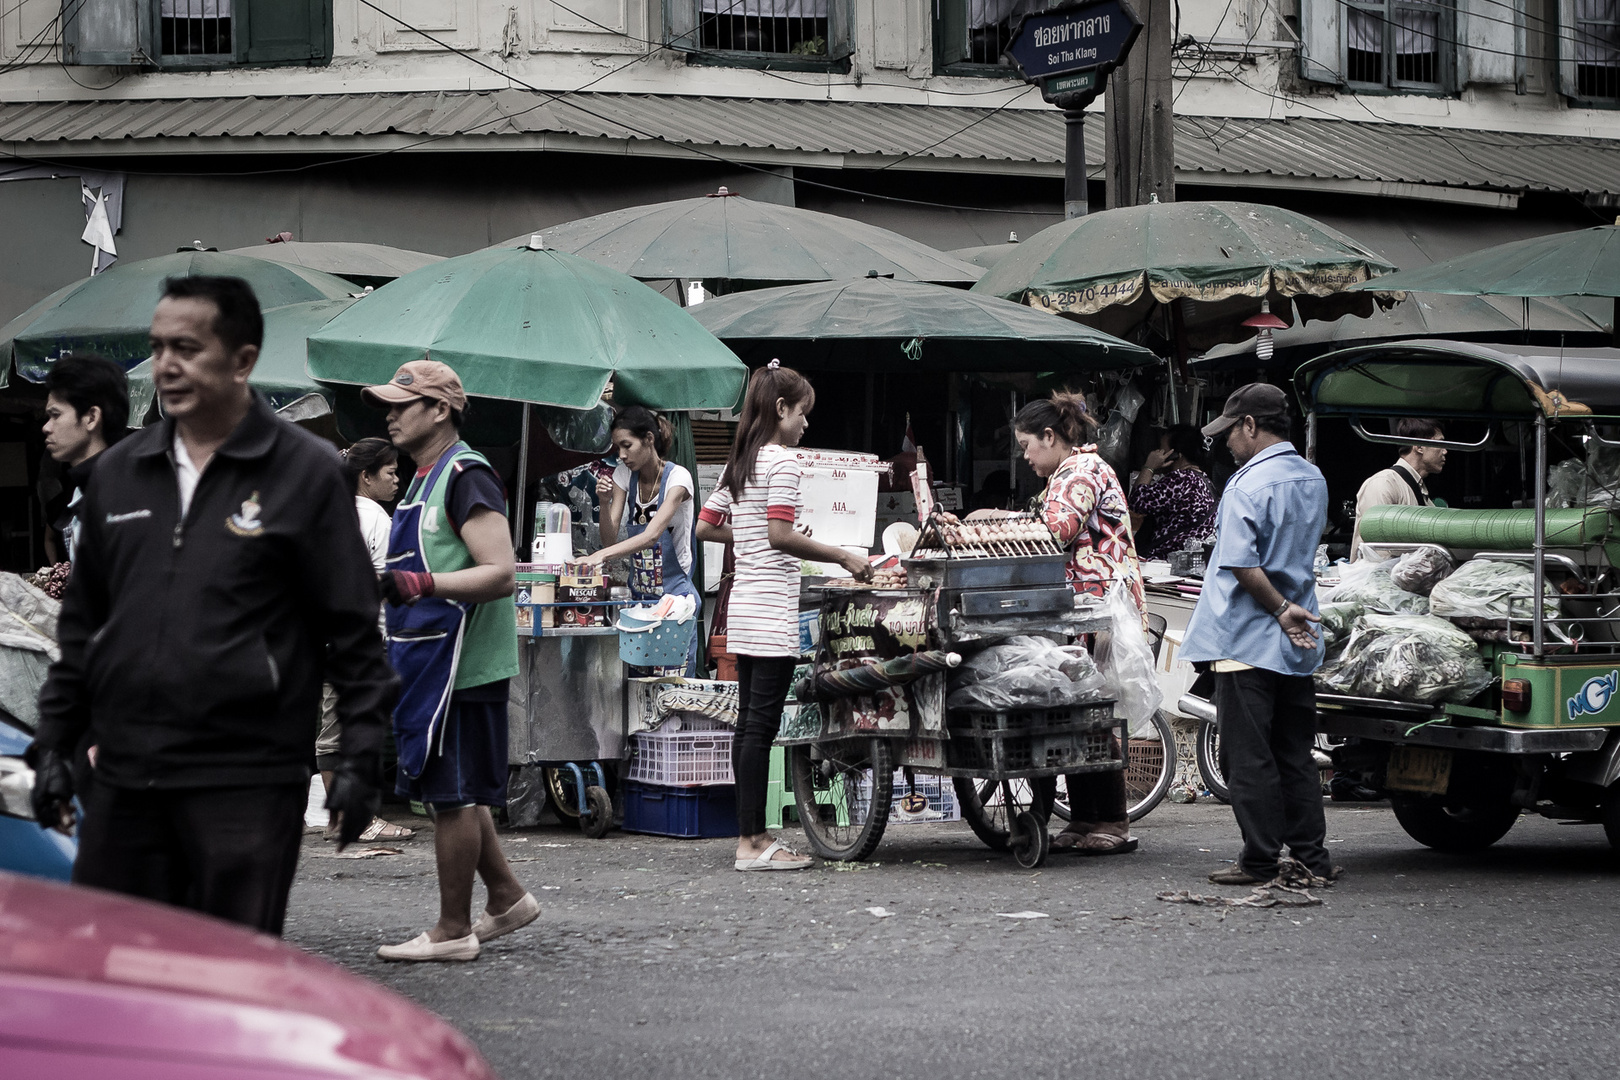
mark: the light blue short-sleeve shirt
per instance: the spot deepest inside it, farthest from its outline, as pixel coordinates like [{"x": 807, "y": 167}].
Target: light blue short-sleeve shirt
[{"x": 1271, "y": 516}]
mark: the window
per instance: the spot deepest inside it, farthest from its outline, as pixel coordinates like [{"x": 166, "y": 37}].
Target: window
[
  {"x": 197, "y": 33},
  {"x": 773, "y": 33},
  {"x": 1400, "y": 44},
  {"x": 970, "y": 35},
  {"x": 1595, "y": 48}
]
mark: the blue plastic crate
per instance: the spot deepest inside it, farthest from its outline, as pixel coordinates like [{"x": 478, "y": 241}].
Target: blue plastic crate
[{"x": 687, "y": 812}]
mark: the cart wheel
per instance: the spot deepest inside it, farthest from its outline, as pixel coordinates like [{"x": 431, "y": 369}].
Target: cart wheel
[
  {"x": 843, "y": 798},
  {"x": 599, "y": 819},
  {"x": 560, "y": 786},
  {"x": 1031, "y": 845},
  {"x": 985, "y": 809}
]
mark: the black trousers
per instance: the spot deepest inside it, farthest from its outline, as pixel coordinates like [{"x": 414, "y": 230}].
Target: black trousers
[
  {"x": 762, "y": 687},
  {"x": 226, "y": 852},
  {"x": 1267, "y": 724},
  {"x": 1098, "y": 798}
]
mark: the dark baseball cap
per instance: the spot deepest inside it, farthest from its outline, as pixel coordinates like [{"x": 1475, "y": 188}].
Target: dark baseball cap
[{"x": 1257, "y": 399}]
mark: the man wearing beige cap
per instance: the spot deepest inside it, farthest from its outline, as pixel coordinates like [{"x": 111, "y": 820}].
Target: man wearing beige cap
[
  {"x": 1253, "y": 627},
  {"x": 452, "y": 637}
]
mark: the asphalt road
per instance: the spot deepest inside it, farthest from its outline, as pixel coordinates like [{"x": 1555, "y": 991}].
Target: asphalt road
[{"x": 653, "y": 958}]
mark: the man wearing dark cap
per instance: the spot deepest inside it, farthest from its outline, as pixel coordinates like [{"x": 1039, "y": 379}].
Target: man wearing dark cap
[
  {"x": 1253, "y": 628},
  {"x": 220, "y": 577},
  {"x": 452, "y": 636}
]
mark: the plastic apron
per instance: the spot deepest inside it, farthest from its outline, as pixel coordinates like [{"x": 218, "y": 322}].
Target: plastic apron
[
  {"x": 657, "y": 571},
  {"x": 424, "y": 638}
]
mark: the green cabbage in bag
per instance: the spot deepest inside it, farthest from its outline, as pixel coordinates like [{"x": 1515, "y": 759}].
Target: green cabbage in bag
[
  {"x": 1370, "y": 585},
  {"x": 1414, "y": 658},
  {"x": 1484, "y": 592}
]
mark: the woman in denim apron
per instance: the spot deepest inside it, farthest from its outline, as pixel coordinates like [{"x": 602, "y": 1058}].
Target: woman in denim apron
[{"x": 657, "y": 498}]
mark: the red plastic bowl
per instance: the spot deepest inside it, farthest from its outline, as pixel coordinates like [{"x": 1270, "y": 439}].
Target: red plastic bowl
[{"x": 98, "y": 985}]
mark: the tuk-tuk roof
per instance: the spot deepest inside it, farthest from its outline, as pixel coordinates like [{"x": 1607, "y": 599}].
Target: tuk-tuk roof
[{"x": 1462, "y": 379}]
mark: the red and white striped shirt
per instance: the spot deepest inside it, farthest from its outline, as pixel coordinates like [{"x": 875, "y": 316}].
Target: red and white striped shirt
[{"x": 763, "y": 619}]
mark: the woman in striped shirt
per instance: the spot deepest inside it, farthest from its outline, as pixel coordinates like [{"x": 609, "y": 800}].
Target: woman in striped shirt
[{"x": 755, "y": 508}]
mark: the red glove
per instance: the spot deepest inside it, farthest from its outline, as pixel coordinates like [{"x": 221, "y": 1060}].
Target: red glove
[{"x": 401, "y": 587}]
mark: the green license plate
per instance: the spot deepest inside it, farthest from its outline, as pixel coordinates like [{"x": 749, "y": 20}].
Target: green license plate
[{"x": 1419, "y": 768}]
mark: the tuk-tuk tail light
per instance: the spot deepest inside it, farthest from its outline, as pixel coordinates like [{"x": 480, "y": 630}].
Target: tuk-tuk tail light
[{"x": 1516, "y": 695}]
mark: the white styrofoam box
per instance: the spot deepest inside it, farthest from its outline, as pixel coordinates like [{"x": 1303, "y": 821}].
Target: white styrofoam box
[
  {"x": 839, "y": 505},
  {"x": 714, "y": 565}
]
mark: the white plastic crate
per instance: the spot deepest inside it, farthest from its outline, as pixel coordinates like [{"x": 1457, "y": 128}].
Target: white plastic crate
[
  {"x": 681, "y": 758},
  {"x": 937, "y": 790}
]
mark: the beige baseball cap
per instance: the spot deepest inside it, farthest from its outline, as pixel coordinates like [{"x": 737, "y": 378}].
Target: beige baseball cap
[{"x": 419, "y": 379}]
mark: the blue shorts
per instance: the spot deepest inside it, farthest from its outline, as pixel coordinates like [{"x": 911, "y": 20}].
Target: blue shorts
[{"x": 468, "y": 766}]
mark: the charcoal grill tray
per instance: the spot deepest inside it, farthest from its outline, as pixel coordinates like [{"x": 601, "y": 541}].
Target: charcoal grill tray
[{"x": 989, "y": 573}]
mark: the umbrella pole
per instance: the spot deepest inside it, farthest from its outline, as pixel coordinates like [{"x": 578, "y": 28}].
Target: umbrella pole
[{"x": 522, "y": 480}]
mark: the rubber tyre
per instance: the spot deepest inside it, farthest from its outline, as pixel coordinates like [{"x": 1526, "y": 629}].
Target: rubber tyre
[
  {"x": 1209, "y": 761},
  {"x": 829, "y": 840},
  {"x": 1146, "y": 786},
  {"x": 1460, "y": 827},
  {"x": 1033, "y": 843},
  {"x": 1611, "y": 817},
  {"x": 989, "y": 823},
  {"x": 599, "y": 819}
]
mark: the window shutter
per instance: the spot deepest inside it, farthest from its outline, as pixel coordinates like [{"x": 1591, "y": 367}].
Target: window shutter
[
  {"x": 680, "y": 23},
  {"x": 950, "y": 31},
  {"x": 1565, "y": 29},
  {"x": 107, "y": 31},
  {"x": 1321, "y": 26},
  {"x": 1492, "y": 39},
  {"x": 283, "y": 31},
  {"x": 840, "y": 31}
]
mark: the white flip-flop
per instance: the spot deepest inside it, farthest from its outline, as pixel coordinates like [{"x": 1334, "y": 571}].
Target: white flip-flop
[{"x": 763, "y": 860}]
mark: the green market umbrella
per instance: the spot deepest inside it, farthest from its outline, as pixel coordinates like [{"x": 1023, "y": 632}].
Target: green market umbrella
[
  {"x": 111, "y": 313},
  {"x": 1581, "y": 263},
  {"x": 363, "y": 264},
  {"x": 1420, "y": 315},
  {"x": 279, "y": 374},
  {"x": 532, "y": 325},
  {"x": 878, "y": 324},
  {"x": 985, "y": 255},
  {"x": 1115, "y": 269},
  {"x": 727, "y": 239}
]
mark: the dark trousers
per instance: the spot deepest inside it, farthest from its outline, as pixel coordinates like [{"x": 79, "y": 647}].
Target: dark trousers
[
  {"x": 226, "y": 852},
  {"x": 762, "y": 687},
  {"x": 1098, "y": 798},
  {"x": 1267, "y": 725}
]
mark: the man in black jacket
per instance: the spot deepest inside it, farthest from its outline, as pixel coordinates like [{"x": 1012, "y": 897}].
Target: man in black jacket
[{"x": 221, "y": 575}]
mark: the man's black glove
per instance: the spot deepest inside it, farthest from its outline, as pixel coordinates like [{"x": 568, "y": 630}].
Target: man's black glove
[
  {"x": 52, "y": 797},
  {"x": 356, "y": 794}
]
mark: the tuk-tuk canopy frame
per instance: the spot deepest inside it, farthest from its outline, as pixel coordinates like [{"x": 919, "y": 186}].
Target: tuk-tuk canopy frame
[{"x": 1462, "y": 380}]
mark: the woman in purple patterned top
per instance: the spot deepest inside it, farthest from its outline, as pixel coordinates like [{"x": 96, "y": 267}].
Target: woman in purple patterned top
[{"x": 1173, "y": 491}]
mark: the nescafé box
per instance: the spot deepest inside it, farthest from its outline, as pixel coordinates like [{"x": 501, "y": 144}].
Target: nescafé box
[{"x": 577, "y": 589}]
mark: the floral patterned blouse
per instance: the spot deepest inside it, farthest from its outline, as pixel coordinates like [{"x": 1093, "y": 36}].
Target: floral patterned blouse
[
  {"x": 1181, "y": 503},
  {"x": 1085, "y": 508}
]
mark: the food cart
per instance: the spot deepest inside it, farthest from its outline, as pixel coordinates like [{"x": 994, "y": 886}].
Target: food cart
[
  {"x": 1538, "y": 730},
  {"x": 875, "y": 699}
]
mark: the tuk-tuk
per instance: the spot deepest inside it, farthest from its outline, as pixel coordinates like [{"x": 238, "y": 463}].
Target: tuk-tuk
[{"x": 1545, "y": 735}]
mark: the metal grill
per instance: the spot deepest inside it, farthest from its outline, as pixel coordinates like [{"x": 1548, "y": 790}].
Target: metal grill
[
  {"x": 1016, "y": 536},
  {"x": 195, "y": 28},
  {"x": 1597, "y": 48},
  {"x": 777, "y": 27},
  {"x": 990, "y": 25},
  {"x": 1396, "y": 42}
]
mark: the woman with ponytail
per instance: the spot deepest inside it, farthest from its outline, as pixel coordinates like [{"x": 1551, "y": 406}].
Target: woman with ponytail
[
  {"x": 1084, "y": 506},
  {"x": 755, "y": 509}
]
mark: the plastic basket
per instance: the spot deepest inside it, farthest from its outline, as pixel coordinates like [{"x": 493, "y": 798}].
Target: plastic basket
[
  {"x": 1090, "y": 716},
  {"x": 1058, "y": 749},
  {"x": 683, "y": 812},
  {"x": 655, "y": 642},
  {"x": 938, "y": 791},
  {"x": 681, "y": 757}
]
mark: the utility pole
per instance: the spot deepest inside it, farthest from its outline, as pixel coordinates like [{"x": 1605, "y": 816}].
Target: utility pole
[
  {"x": 1139, "y": 155},
  {"x": 1076, "y": 200}
]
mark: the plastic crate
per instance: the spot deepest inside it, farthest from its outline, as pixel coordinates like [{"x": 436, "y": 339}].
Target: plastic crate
[
  {"x": 1090, "y": 716},
  {"x": 681, "y": 757},
  {"x": 1056, "y": 748},
  {"x": 938, "y": 791},
  {"x": 684, "y": 812}
]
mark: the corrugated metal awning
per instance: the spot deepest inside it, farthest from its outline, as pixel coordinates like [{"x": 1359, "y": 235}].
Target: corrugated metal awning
[{"x": 1342, "y": 155}]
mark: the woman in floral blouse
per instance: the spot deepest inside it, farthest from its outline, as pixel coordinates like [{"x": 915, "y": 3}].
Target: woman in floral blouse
[
  {"x": 1085, "y": 508},
  {"x": 1174, "y": 494}
]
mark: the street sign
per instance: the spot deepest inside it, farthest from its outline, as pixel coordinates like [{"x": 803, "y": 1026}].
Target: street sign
[
  {"x": 1058, "y": 86},
  {"x": 1086, "y": 36}
]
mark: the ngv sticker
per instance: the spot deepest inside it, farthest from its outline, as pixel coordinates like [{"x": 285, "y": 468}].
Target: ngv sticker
[{"x": 1595, "y": 694}]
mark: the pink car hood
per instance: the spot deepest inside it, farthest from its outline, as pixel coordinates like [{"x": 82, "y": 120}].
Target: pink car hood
[{"x": 125, "y": 988}]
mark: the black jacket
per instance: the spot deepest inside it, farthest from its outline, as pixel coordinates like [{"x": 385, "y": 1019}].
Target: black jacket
[{"x": 195, "y": 650}]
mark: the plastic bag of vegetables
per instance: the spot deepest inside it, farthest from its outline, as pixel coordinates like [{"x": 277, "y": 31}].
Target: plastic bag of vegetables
[
  {"x": 1369, "y": 584},
  {"x": 1421, "y": 570},
  {"x": 1338, "y": 620},
  {"x": 1415, "y": 658},
  {"x": 1484, "y": 592}
]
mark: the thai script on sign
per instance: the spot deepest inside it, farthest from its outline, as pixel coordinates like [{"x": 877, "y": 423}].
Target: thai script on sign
[{"x": 1071, "y": 30}]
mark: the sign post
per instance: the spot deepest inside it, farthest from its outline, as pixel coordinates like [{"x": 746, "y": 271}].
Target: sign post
[{"x": 1069, "y": 50}]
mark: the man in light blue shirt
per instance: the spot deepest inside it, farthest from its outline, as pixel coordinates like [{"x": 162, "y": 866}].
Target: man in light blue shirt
[{"x": 1253, "y": 627}]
